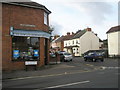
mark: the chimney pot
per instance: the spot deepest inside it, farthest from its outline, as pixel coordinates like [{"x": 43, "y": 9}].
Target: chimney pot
[
  {"x": 56, "y": 36},
  {"x": 68, "y": 33},
  {"x": 72, "y": 33},
  {"x": 88, "y": 29}
]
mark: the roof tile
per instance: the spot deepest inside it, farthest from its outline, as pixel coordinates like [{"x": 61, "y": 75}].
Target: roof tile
[{"x": 114, "y": 29}]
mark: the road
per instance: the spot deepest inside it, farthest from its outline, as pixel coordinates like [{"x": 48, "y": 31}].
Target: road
[{"x": 75, "y": 74}]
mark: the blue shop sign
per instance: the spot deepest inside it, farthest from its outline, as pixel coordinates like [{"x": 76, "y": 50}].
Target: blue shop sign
[
  {"x": 36, "y": 53},
  {"x": 16, "y": 53}
]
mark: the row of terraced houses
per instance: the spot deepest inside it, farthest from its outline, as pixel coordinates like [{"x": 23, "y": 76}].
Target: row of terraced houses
[
  {"x": 84, "y": 40},
  {"x": 78, "y": 43}
]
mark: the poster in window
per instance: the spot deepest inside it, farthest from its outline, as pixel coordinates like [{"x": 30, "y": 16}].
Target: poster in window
[
  {"x": 36, "y": 53},
  {"x": 16, "y": 54}
]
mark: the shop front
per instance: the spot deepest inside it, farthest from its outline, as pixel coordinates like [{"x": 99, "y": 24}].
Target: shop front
[
  {"x": 25, "y": 35},
  {"x": 26, "y": 46},
  {"x": 25, "y": 43}
]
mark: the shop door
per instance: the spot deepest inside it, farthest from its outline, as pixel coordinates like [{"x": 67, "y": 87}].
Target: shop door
[{"x": 46, "y": 51}]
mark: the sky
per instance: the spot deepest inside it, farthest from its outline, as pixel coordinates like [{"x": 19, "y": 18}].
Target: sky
[{"x": 74, "y": 15}]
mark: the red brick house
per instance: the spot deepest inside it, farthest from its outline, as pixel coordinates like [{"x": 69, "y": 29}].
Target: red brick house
[
  {"x": 58, "y": 43},
  {"x": 25, "y": 34}
]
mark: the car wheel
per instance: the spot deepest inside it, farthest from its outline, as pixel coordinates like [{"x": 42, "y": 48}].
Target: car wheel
[
  {"x": 85, "y": 59},
  {"x": 65, "y": 60},
  {"x": 94, "y": 60},
  {"x": 102, "y": 60}
]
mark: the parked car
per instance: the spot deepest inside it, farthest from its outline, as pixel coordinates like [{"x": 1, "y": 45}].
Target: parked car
[
  {"x": 52, "y": 55},
  {"x": 66, "y": 57},
  {"x": 94, "y": 56},
  {"x": 61, "y": 52}
]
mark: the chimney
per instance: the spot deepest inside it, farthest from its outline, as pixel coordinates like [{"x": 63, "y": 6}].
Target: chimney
[
  {"x": 96, "y": 34},
  {"x": 68, "y": 33},
  {"x": 88, "y": 29},
  {"x": 72, "y": 33},
  {"x": 56, "y": 36}
]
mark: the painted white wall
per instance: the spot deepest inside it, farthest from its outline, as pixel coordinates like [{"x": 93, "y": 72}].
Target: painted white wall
[
  {"x": 119, "y": 43},
  {"x": 89, "y": 41},
  {"x": 70, "y": 43},
  {"x": 113, "y": 43},
  {"x": 100, "y": 44},
  {"x": 67, "y": 43}
]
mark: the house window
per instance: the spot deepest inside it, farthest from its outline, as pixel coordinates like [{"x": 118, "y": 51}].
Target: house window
[
  {"x": 77, "y": 50},
  {"x": 25, "y": 48},
  {"x": 69, "y": 42},
  {"x": 66, "y": 44},
  {"x": 76, "y": 41},
  {"x": 45, "y": 18},
  {"x": 73, "y": 42}
]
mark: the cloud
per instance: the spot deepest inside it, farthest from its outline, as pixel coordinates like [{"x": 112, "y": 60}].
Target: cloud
[
  {"x": 57, "y": 28},
  {"x": 96, "y": 11},
  {"x": 71, "y": 15}
]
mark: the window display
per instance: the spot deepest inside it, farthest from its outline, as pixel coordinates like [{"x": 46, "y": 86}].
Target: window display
[
  {"x": 25, "y": 48},
  {"x": 16, "y": 54}
]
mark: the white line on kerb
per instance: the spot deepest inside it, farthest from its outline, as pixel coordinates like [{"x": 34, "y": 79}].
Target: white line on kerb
[{"x": 69, "y": 84}]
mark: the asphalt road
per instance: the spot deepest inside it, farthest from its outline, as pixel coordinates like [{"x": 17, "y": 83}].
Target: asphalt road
[{"x": 75, "y": 74}]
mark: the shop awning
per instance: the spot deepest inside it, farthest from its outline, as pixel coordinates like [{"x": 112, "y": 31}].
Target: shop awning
[{"x": 30, "y": 33}]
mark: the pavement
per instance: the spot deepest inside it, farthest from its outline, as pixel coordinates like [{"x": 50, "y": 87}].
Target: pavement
[{"x": 45, "y": 70}]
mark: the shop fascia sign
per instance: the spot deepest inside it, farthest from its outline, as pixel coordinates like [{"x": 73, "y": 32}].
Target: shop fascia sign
[{"x": 27, "y": 25}]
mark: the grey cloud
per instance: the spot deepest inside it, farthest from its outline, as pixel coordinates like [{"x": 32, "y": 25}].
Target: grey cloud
[
  {"x": 98, "y": 11},
  {"x": 57, "y": 28},
  {"x": 119, "y": 13}
]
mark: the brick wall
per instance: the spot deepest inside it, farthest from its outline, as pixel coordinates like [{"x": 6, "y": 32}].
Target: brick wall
[{"x": 14, "y": 16}]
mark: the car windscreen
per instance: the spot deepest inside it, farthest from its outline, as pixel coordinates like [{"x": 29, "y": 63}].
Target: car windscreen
[
  {"x": 91, "y": 53},
  {"x": 67, "y": 54}
]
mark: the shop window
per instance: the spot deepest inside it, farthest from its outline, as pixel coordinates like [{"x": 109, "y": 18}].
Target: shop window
[
  {"x": 45, "y": 18},
  {"x": 25, "y": 48}
]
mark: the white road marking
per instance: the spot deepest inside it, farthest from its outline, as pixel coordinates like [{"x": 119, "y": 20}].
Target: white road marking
[
  {"x": 102, "y": 67},
  {"x": 68, "y": 84}
]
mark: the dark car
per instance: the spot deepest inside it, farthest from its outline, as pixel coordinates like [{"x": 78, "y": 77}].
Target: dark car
[{"x": 94, "y": 56}]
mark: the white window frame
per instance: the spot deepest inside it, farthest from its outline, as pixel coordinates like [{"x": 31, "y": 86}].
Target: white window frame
[{"x": 45, "y": 18}]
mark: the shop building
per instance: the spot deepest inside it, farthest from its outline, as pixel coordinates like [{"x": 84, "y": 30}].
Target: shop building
[{"x": 25, "y": 35}]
